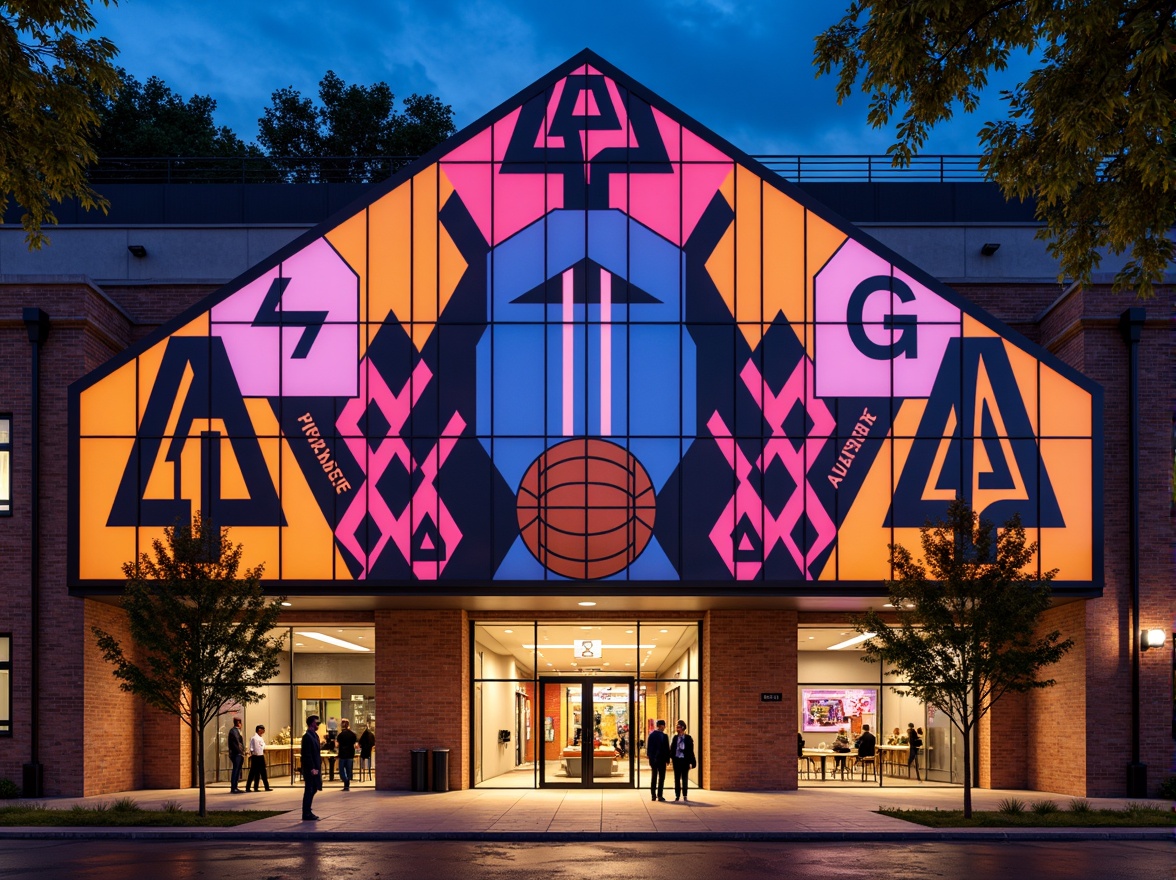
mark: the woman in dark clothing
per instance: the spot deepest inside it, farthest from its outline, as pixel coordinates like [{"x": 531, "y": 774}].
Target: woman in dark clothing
[
  {"x": 367, "y": 741},
  {"x": 914, "y": 741},
  {"x": 682, "y": 756}
]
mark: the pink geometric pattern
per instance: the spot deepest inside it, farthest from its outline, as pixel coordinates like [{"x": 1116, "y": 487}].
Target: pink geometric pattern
[
  {"x": 746, "y": 501},
  {"x": 671, "y": 203},
  {"x": 425, "y": 500}
]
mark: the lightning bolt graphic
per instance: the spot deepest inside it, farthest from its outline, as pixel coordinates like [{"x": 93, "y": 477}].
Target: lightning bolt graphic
[{"x": 269, "y": 316}]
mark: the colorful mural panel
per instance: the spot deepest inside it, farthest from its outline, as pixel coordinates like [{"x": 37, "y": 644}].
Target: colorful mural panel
[{"x": 586, "y": 341}]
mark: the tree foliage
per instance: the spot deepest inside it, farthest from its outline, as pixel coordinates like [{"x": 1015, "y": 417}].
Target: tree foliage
[
  {"x": 200, "y": 631},
  {"x": 1090, "y": 134},
  {"x": 969, "y": 634},
  {"x": 350, "y": 122},
  {"x": 149, "y": 119},
  {"x": 48, "y": 71}
]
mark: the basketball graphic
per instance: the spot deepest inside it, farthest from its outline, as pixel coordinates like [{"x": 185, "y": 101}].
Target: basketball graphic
[{"x": 586, "y": 508}]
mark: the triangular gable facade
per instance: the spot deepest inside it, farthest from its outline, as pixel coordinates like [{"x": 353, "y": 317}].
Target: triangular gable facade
[{"x": 585, "y": 339}]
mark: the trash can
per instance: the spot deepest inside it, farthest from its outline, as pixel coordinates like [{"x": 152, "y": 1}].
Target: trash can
[
  {"x": 440, "y": 769},
  {"x": 419, "y": 769}
]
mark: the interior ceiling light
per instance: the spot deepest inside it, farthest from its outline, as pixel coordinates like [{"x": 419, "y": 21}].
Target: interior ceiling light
[
  {"x": 287, "y": 604},
  {"x": 586, "y": 627},
  {"x": 856, "y": 640},
  {"x": 663, "y": 630},
  {"x": 331, "y": 640},
  {"x": 612, "y": 647},
  {"x": 586, "y": 604},
  {"x": 508, "y": 630}
]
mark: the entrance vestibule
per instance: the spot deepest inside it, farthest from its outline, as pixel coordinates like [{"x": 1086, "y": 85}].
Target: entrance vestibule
[{"x": 591, "y": 688}]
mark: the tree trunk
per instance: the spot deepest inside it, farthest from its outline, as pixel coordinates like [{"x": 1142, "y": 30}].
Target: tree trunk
[
  {"x": 200, "y": 770},
  {"x": 967, "y": 738}
]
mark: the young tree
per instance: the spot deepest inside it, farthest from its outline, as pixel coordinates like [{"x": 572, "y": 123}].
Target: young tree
[
  {"x": 351, "y": 123},
  {"x": 1089, "y": 134},
  {"x": 49, "y": 72},
  {"x": 969, "y": 636},
  {"x": 200, "y": 631}
]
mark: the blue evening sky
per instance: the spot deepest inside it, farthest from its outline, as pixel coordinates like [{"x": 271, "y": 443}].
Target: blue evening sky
[{"x": 740, "y": 67}]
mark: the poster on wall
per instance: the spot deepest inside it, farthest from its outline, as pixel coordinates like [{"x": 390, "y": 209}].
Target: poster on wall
[{"x": 827, "y": 710}]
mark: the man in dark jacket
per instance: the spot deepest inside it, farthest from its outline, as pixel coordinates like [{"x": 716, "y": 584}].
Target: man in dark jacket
[
  {"x": 657, "y": 750},
  {"x": 345, "y": 743},
  {"x": 866, "y": 747},
  {"x": 682, "y": 754},
  {"x": 236, "y": 756},
  {"x": 312, "y": 766}
]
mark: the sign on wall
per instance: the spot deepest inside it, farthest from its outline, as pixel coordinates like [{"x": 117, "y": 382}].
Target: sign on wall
[{"x": 585, "y": 339}]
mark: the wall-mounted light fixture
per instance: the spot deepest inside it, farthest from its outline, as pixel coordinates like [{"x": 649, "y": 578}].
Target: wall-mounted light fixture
[
  {"x": 137, "y": 250},
  {"x": 989, "y": 248},
  {"x": 1152, "y": 638}
]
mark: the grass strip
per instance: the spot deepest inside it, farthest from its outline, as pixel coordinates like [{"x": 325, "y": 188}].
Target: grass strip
[
  {"x": 1151, "y": 818},
  {"x": 88, "y": 817}
]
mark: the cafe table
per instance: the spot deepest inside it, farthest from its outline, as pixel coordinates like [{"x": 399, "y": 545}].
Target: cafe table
[
  {"x": 894, "y": 757},
  {"x": 823, "y": 754}
]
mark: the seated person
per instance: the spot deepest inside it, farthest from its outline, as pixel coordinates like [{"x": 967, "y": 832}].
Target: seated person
[
  {"x": 866, "y": 743},
  {"x": 799, "y": 746},
  {"x": 841, "y": 747}
]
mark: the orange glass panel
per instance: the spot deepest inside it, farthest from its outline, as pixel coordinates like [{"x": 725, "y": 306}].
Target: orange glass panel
[
  {"x": 1066, "y": 408},
  {"x": 102, "y": 550},
  {"x": 1068, "y": 462},
  {"x": 108, "y": 406}
]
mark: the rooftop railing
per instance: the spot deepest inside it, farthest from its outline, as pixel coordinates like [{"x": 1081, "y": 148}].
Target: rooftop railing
[{"x": 371, "y": 169}]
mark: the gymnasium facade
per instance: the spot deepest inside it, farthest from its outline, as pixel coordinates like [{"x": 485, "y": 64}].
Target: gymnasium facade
[{"x": 583, "y": 420}]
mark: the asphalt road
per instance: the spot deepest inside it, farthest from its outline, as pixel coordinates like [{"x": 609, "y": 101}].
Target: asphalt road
[{"x": 422, "y": 860}]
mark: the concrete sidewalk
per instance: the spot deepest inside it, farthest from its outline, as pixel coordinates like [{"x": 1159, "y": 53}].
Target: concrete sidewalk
[{"x": 809, "y": 814}]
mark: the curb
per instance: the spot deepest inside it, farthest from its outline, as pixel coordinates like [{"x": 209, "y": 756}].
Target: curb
[{"x": 924, "y": 835}]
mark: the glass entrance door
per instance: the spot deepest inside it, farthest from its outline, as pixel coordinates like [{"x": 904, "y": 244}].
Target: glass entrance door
[{"x": 587, "y": 732}]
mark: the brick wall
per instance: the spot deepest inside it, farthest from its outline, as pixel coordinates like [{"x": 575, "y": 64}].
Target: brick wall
[
  {"x": 115, "y": 727},
  {"x": 1004, "y": 744},
  {"x": 422, "y": 691},
  {"x": 1058, "y": 754},
  {"x": 748, "y": 745}
]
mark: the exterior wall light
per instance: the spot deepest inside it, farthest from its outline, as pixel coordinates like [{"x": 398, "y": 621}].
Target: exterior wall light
[
  {"x": 1152, "y": 638},
  {"x": 989, "y": 248},
  {"x": 137, "y": 250}
]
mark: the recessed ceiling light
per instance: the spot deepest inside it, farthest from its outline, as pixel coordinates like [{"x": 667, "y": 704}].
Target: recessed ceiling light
[
  {"x": 856, "y": 640},
  {"x": 548, "y": 664},
  {"x": 338, "y": 630},
  {"x": 628, "y": 632},
  {"x": 574, "y": 663},
  {"x": 331, "y": 640},
  {"x": 287, "y": 604},
  {"x": 508, "y": 630},
  {"x": 586, "y": 627},
  {"x": 888, "y": 605},
  {"x": 586, "y": 604},
  {"x": 604, "y": 664},
  {"x": 298, "y": 644},
  {"x": 663, "y": 630},
  {"x": 811, "y": 638}
]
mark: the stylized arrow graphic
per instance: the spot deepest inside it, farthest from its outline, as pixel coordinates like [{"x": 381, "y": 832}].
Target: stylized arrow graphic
[{"x": 269, "y": 316}]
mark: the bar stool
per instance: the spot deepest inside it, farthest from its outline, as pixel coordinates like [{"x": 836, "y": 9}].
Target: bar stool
[{"x": 870, "y": 761}]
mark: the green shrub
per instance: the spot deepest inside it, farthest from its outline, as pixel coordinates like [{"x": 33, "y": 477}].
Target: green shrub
[
  {"x": 1044, "y": 808},
  {"x": 1168, "y": 788},
  {"x": 1011, "y": 806},
  {"x": 9, "y": 789},
  {"x": 126, "y": 805},
  {"x": 1138, "y": 807},
  {"x": 1080, "y": 805}
]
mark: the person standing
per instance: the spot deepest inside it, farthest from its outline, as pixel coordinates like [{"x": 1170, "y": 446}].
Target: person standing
[
  {"x": 345, "y": 743},
  {"x": 312, "y": 767},
  {"x": 682, "y": 754},
  {"x": 914, "y": 741},
  {"x": 236, "y": 756},
  {"x": 657, "y": 751},
  {"x": 257, "y": 774},
  {"x": 367, "y": 742}
]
